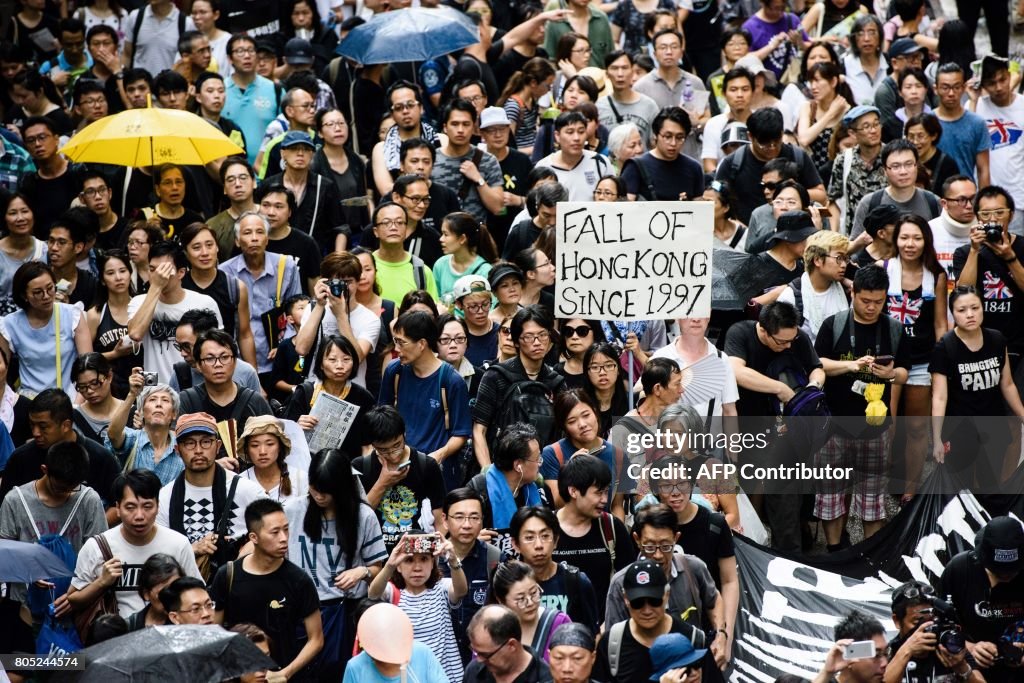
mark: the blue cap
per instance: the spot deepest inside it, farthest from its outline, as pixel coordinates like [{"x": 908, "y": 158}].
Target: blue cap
[
  {"x": 672, "y": 651},
  {"x": 297, "y": 137},
  {"x": 857, "y": 112}
]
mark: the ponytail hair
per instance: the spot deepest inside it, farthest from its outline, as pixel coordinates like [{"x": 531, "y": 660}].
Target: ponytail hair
[
  {"x": 478, "y": 237},
  {"x": 536, "y": 70}
]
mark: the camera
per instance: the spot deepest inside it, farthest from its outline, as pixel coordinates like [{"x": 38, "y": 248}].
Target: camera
[
  {"x": 338, "y": 287},
  {"x": 945, "y": 626},
  {"x": 150, "y": 379},
  {"x": 1008, "y": 652},
  {"x": 993, "y": 232}
]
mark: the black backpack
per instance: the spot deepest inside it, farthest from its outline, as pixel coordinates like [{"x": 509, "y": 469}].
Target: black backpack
[{"x": 527, "y": 401}]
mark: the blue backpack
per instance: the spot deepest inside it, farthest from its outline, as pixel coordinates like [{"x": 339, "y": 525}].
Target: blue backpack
[{"x": 39, "y": 599}]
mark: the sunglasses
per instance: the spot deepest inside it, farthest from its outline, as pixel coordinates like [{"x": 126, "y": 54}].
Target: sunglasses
[
  {"x": 581, "y": 331},
  {"x": 640, "y": 603}
]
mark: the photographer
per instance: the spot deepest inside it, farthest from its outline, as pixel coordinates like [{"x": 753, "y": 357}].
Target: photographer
[
  {"x": 855, "y": 627},
  {"x": 986, "y": 586},
  {"x": 917, "y": 655}
]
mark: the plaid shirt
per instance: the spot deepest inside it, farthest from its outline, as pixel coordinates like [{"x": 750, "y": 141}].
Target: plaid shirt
[
  {"x": 862, "y": 181},
  {"x": 15, "y": 163}
]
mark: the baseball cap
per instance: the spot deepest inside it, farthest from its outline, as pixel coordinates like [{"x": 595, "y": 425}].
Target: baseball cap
[
  {"x": 857, "y": 112},
  {"x": 267, "y": 46},
  {"x": 470, "y": 284},
  {"x": 493, "y": 116},
  {"x": 672, "y": 651},
  {"x": 644, "y": 579},
  {"x": 735, "y": 133},
  {"x": 793, "y": 227},
  {"x": 904, "y": 46},
  {"x": 1001, "y": 546},
  {"x": 298, "y": 51},
  {"x": 502, "y": 271},
  {"x": 195, "y": 423},
  {"x": 751, "y": 63},
  {"x": 297, "y": 137}
]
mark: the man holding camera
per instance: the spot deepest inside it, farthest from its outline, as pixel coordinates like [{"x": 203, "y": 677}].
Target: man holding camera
[
  {"x": 993, "y": 263},
  {"x": 986, "y": 585},
  {"x": 920, "y": 654}
]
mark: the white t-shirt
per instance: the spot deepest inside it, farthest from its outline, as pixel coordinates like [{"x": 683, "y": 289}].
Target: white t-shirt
[
  {"x": 816, "y": 305},
  {"x": 90, "y": 562},
  {"x": 297, "y": 477},
  {"x": 730, "y": 394},
  {"x": 947, "y": 242},
  {"x": 197, "y": 514},
  {"x": 1006, "y": 158},
  {"x": 711, "y": 147},
  {"x": 581, "y": 179},
  {"x": 365, "y": 325},
  {"x": 159, "y": 339}
]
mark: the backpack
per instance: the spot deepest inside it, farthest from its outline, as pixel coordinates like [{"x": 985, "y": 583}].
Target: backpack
[
  {"x": 38, "y": 599},
  {"x": 137, "y": 26},
  {"x": 875, "y": 198},
  {"x": 525, "y": 401},
  {"x": 608, "y": 535},
  {"x": 797, "y": 286},
  {"x": 444, "y": 395},
  {"x": 843, "y": 319},
  {"x": 645, "y": 193},
  {"x": 183, "y": 373}
]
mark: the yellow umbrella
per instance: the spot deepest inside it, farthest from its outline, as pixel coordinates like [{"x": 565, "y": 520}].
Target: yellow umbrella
[{"x": 150, "y": 137}]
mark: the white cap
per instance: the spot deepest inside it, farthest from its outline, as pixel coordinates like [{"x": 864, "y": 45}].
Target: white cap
[{"x": 493, "y": 116}]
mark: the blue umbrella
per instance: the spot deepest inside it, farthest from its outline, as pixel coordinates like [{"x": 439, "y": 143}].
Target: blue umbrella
[
  {"x": 27, "y": 562},
  {"x": 407, "y": 35}
]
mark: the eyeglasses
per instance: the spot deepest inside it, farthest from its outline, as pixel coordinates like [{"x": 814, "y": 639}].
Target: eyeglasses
[
  {"x": 240, "y": 178},
  {"x": 213, "y": 361},
  {"x": 462, "y": 519},
  {"x": 391, "y": 450},
  {"x": 962, "y": 201},
  {"x": 445, "y": 341},
  {"x": 582, "y": 50},
  {"x": 309, "y": 106},
  {"x": 505, "y": 329},
  {"x": 404, "y": 106},
  {"x": 868, "y": 127},
  {"x": 192, "y": 444},
  {"x": 93, "y": 191},
  {"x": 680, "y": 487},
  {"x": 640, "y": 603},
  {"x": 484, "y": 656},
  {"x": 665, "y": 548},
  {"x": 989, "y": 214},
  {"x": 530, "y": 539},
  {"x": 42, "y": 137},
  {"x": 92, "y": 102},
  {"x": 44, "y": 293},
  {"x": 208, "y": 606},
  {"x": 768, "y": 145},
  {"x": 334, "y": 124},
  {"x": 475, "y": 99},
  {"x": 667, "y": 47},
  {"x": 476, "y": 308},
  {"x": 605, "y": 193},
  {"x": 784, "y": 342},
  {"x": 669, "y": 137},
  {"x": 391, "y": 223},
  {"x": 604, "y": 367},
  {"x": 905, "y": 166},
  {"x": 240, "y": 51},
  {"x": 918, "y": 137},
  {"x": 82, "y": 387},
  {"x": 579, "y": 331},
  {"x": 530, "y": 598},
  {"x": 137, "y": 243},
  {"x": 785, "y": 202},
  {"x": 531, "y": 338},
  {"x": 417, "y": 199},
  {"x": 946, "y": 87},
  {"x": 182, "y": 347},
  {"x": 839, "y": 258},
  {"x": 402, "y": 343}
]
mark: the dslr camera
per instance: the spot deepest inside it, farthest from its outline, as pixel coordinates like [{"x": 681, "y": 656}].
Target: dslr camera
[
  {"x": 944, "y": 624},
  {"x": 993, "y": 232},
  {"x": 339, "y": 288}
]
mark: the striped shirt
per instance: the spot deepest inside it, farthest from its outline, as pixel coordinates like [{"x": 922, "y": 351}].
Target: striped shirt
[{"x": 431, "y": 617}]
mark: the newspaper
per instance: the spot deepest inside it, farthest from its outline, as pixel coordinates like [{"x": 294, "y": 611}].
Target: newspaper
[{"x": 334, "y": 420}]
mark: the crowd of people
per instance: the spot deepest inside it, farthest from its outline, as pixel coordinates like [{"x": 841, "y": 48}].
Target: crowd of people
[{"x": 317, "y": 393}]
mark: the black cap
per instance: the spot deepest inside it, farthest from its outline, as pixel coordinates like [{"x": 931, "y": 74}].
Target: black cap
[
  {"x": 1001, "y": 546},
  {"x": 298, "y": 51},
  {"x": 644, "y": 579},
  {"x": 793, "y": 227},
  {"x": 502, "y": 271}
]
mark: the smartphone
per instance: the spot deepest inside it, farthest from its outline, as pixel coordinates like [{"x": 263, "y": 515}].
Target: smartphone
[
  {"x": 405, "y": 465},
  {"x": 862, "y": 649},
  {"x": 426, "y": 544},
  {"x": 884, "y": 360}
]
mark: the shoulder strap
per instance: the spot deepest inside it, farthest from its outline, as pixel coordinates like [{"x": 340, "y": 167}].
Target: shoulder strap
[
  {"x": 333, "y": 68},
  {"x": 183, "y": 373},
  {"x": 543, "y": 631},
  {"x": 282, "y": 258},
  {"x": 645, "y": 183},
  {"x": 31, "y": 519},
  {"x": 222, "y": 523},
  {"x": 56, "y": 334},
  {"x": 949, "y": 345},
  {"x": 105, "y": 552},
  {"x": 619, "y": 457},
  {"x": 737, "y": 161},
  {"x": 615, "y": 634},
  {"x": 398, "y": 376},
  {"x": 839, "y": 322},
  {"x": 129, "y": 463},
  {"x": 232, "y": 282},
  {"x": 181, "y": 22},
  {"x": 241, "y": 403},
  {"x": 135, "y": 36},
  {"x": 737, "y": 236},
  {"x": 316, "y": 210},
  {"x": 444, "y": 398},
  {"x": 74, "y": 509},
  {"x": 933, "y": 203},
  {"x": 417, "y": 270},
  {"x": 466, "y": 185},
  {"x": 874, "y": 199},
  {"x": 493, "y": 558},
  {"x": 557, "y": 448},
  {"x": 615, "y": 111},
  {"x": 608, "y": 533},
  {"x": 231, "y": 577}
]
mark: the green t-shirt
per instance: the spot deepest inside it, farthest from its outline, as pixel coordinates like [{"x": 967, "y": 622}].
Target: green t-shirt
[{"x": 398, "y": 279}]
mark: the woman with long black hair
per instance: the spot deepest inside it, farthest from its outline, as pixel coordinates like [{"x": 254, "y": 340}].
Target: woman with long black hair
[
  {"x": 108, "y": 319},
  {"x": 605, "y": 382},
  {"x": 336, "y": 539}
]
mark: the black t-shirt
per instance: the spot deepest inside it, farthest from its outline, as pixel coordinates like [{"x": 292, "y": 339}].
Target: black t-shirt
[
  {"x": 572, "y": 592},
  {"x": 769, "y": 274},
  {"x": 848, "y": 343},
  {"x": 321, "y": 201},
  {"x": 277, "y": 602},
  {"x": 984, "y": 613},
  {"x": 669, "y": 178},
  {"x": 699, "y": 539},
  {"x": 571, "y": 381},
  {"x": 917, "y": 316},
  {"x": 85, "y": 289},
  {"x": 443, "y": 201},
  {"x": 634, "y": 657},
  {"x": 23, "y": 467},
  {"x": 590, "y": 553},
  {"x": 972, "y": 377},
  {"x": 50, "y": 197},
  {"x": 255, "y": 17},
  {"x": 510, "y": 62},
  {"x": 522, "y": 236},
  {"x": 469, "y": 68},
  {"x": 742, "y": 169},
  {"x": 1000, "y": 295},
  {"x": 792, "y": 366},
  {"x": 112, "y": 238},
  {"x": 924, "y": 670},
  {"x": 536, "y": 672},
  {"x": 400, "y": 506},
  {"x": 303, "y": 249},
  {"x": 172, "y": 227},
  {"x": 515, "y": 167}
]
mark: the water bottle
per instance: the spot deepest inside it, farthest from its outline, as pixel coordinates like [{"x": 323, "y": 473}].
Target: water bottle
[{"x": 687, "y": 94}]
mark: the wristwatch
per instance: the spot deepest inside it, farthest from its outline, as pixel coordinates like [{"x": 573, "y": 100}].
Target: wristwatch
[
  {"x": 369, "y": 575},
  {"x": 481, "y": 182},
  {"x": 965, "y": 675}
]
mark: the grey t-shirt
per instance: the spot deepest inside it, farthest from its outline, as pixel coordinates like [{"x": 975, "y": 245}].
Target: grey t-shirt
[
  {"x": 446, "y": 171},
  {"x": 641, "y": 112},
  {"x": 244, "y": 376},
  {"x": 918, "y": 204},
  {"x": 88, "y": 521},
  {"x": 681, "y": 591}
]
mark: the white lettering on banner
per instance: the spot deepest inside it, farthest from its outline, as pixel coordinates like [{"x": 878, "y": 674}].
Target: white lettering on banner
[{"x": 634, "y": 261}]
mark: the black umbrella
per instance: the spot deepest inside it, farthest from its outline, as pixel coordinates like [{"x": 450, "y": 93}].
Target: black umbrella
[
  {"x": 198, "y": 654},
  {"x": 737, "y": 277}
]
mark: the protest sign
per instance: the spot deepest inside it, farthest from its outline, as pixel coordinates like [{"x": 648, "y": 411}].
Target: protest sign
[{"x": 634, "y": 260}]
